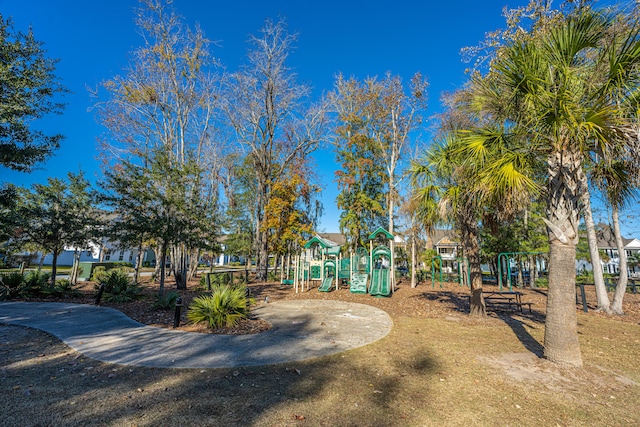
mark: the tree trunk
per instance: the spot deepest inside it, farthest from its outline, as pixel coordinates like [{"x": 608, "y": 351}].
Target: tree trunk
[
  {"x": 413, "y": 261},
  {"x": 159, "y": 271},
  {"x": 561, "y": 343},
  {"x": 262, "y": 267},
  {"x": 73, "y": 278},
  {"x": 471, "y": 247},
  {"x": 179, "y": 265},
  {"x": 533, "y": 273},
  {"x": 138, "y": 263},
  {"x": 54, "y": 267},
  {"x": 519, "y": 277},
  {"x": 194, "y": 258},
  {"x": 163, "y": 259},
  {"x": 602, "y": 297},
  {"x": 561, "y": 326},
  {"x": 623, "y": 277}
]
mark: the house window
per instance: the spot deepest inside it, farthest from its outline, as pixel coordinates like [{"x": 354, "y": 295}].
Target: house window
[
  {"x": 130, "y": 256},
  {"x": 121, "y": 256},
  {"x": 107, "y": 255}
]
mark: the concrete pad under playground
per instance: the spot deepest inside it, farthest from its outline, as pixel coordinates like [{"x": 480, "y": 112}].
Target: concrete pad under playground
[{"x": 301, "y": 329}]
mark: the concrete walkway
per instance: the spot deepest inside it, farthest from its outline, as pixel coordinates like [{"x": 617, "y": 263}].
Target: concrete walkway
[{"x": 300, "y": 330}]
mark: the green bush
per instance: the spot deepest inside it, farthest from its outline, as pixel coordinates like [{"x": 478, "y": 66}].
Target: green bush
[
  {"x": 62, "y": 288},
  {"x": 98, "y": 274},
  {"x": 37, "y": 280},
  {"x": 12, "y": 285},
  {"x": 542, "y": 282},
  {"x": 118, "y": 286},
  {"x": 225, "y": 306},
  {"x": 166, "y": 301}
]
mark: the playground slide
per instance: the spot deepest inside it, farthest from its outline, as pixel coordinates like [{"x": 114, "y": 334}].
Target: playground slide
[
  {"x": 359, "y": 283},
  {"x": 380, "y": 285},
  {"x": 327, "y": 285}
]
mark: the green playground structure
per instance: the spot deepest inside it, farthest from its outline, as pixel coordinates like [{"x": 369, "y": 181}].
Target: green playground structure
[
  {"x": 359, "y": 283},
  {"x": 323, "y": 265},
  {"x": 327, "y": 284},
  {"x": 381, "y": 273}
]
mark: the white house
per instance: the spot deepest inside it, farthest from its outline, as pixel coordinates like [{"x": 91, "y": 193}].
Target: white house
[{"x": 611, "y": 260}]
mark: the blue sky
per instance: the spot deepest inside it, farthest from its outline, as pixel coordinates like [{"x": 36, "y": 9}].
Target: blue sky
[{"x": 94, "y": 39}]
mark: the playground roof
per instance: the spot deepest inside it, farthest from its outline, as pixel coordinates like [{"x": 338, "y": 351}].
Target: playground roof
[
  {"x": 380, "y": 230},
  {"x": 324, "y": 243}
]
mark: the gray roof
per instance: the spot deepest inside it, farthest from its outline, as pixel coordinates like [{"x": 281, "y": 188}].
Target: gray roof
[
  {"x": 438, "y": 235},
  {"x": 606, "y": 239},
  {"x": 337, "y": 238}
]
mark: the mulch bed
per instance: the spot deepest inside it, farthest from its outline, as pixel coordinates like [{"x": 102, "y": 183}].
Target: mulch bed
[{"x": 426, "y": 300}]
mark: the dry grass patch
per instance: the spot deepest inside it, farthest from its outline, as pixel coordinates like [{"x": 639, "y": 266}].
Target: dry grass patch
[
  {"x": 437, "y": 367},
  {"x": 429, "y": 371}
]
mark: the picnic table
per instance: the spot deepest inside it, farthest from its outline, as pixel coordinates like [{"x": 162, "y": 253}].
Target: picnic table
[{"x": 510, "y": 299}]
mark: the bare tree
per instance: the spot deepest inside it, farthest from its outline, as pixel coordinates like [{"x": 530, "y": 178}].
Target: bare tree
[
  {"x": 163, "y": 111},
  {"x": 272, "y": 119}
]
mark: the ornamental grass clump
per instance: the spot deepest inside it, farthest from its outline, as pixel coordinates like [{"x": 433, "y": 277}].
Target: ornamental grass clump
[
  {"x": 119, "y": 287},
  {"x": 224, "y": 306}
]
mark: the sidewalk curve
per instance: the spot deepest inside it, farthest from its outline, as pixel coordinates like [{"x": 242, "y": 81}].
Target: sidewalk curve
[{"x": 301, "y": 329}]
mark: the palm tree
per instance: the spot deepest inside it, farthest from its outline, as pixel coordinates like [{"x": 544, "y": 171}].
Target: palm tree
[
  {"x": 444, "y": 190},
  {"x": 553, "y": 93}
]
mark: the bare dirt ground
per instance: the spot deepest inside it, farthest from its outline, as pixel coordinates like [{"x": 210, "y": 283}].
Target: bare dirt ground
[{"x": 438, "y": 367}]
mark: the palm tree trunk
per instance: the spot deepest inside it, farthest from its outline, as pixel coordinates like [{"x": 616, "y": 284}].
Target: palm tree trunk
[
  {"x": 561, "y": 327},
  {"x": 598, "y": 278},
  {"x": 469, "y": 231},
  {"x": 561, "y": 343},
  {"x": 623, "y": 277}
]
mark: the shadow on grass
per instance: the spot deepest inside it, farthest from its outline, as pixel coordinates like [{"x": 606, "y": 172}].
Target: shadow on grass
[
  {"x": 515, "y": 320},
  {"x": 454, "y": 301},
  {"x": 517, "y": 325},
  {"x": 47, "y": 384}
]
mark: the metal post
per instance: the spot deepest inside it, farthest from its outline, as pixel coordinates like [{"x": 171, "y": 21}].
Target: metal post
[
  {"x": 99, "y": 295},
  {"x": 176, "y": 317},
  {"x": 584, "y": 299},
  {"x": 247, "y": 296}
]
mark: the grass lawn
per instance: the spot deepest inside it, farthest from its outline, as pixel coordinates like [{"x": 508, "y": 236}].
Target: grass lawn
[{"x": 443, "y": 369}]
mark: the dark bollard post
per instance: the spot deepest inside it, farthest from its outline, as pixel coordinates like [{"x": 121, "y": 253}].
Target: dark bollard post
[
  {"x": 176, "y": 317},
  {"x": 99, "y": 295},
  {"x": 584, "y": 299},
  {"x": 207, "y": 279},
  {"x": 247, "y": 296}
]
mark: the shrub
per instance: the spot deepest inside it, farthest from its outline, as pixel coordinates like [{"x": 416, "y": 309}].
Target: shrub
[
  {"x": 37, "y": 280},
  {"x": 62, "y": 288},
  {"x": 225, "y": 306},
  {"x": 118, "y": 286},
  {"x": 542, "y": 282},
  {"x": 98, "y": 274},
  {"x": 166, "y": 301},
  {"x": 11, "y": 285}
]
